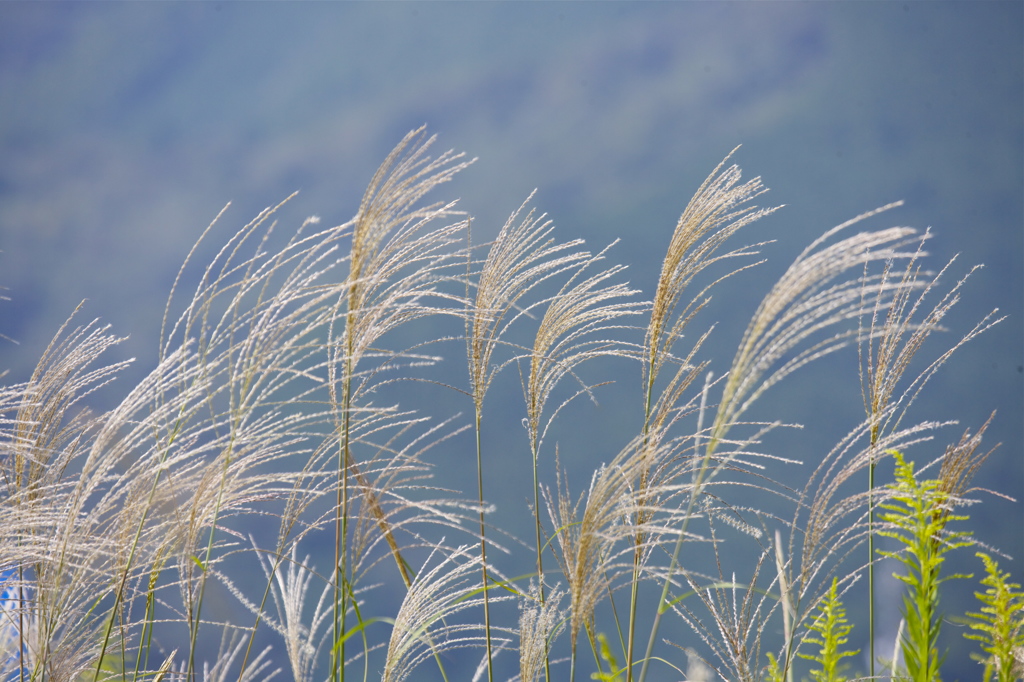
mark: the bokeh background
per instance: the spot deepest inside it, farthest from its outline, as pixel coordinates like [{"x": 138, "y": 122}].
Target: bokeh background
[{"x": 126, "y": 127}]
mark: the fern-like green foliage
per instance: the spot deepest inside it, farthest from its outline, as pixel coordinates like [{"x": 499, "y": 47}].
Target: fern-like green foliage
[
  {"x": 918, "y": 513},
  {"x": 831, "y": 629},
  {"x": 1000, "y": 625},
  {"x": 615, "y": 673},
  {"x": 773, "y": 671}
]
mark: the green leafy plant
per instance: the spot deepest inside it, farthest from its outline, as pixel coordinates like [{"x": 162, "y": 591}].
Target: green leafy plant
[
  {"x": 831, "y": 634},
  {"x": 614, "y": 673},
  {"x": 773, "y": 671},
  {"x": 918, "y": 512},
  {"x": 1000, "y": 624}
]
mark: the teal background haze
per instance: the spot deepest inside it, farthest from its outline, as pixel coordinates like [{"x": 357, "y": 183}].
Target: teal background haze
[{"x": 126, "y": 127}]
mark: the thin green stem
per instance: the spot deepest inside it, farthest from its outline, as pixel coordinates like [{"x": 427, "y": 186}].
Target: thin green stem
[
  {"x": 206, "y": 560},
  {"x": 278, "y": 558},
  {"x": 635, "y": 579},
  {"x": 871, "y": 552},
  {"x": 871, "y": 567},
  {"x": 674, "y": 564},
  {"x": 146, "y": 638},
  {"x": 340, "y": 601},
  {"x": 135, "y": 544},
  {"x": 540, "y": 561},
  {"x": 483, "y": 545},
  {"x": 341, "y": 535}
]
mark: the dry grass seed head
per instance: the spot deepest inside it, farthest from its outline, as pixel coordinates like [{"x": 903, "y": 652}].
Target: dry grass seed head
[
  {"x": 800, "y": 305},
  {"x": 734, "y": 634},
  {"x": 421, "y": 629},
  {"x": 828, "y": 538},
  {"x": 900, "y": 337},
  {"x": 405, "y": 176},
  {"x": 961, "y": 461},
  {"x": 589, "y": 545},
  {"x": 567, "y": 334},
  {"x": 521, "y": 257},
  {"x": 540, "y": 622},
  {"x": 290, "y": 588},
  {"x": 44, "y": 435},
  {"x": 714, "y": 214},
  {"x": 391, "y": 279}
]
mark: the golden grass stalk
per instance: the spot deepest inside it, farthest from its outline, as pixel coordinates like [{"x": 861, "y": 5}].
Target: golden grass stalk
[
  {"x": 569, "y": 334},
  {"x": 593, "y": 545},
  {"x": 718, "y": 209},
  {"x": 394, "y": 269},
  {"x": 737, "y": 616},
  {"x": 521, "y": 257}
]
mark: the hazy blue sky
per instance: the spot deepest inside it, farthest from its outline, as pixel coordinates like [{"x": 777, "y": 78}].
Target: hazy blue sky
[{"x": 126, "y": 127}]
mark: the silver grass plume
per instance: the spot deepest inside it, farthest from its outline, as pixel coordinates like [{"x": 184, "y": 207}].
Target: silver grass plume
[
  {"x": 894, "y": 335},
  {"x": 521, "y": 257},
  {"x": 421, "y": 629},
  {"x": 717, "y": 210},
  {"x": 808, "y": 299},
  {"x": 568, "y": 335},
  {"x": 540, "y": 622},
  {"x": 589, "y": 539},
  {"x": 395, "y": 268}
]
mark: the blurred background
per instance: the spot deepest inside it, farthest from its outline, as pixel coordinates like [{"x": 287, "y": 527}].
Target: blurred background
[{"x": 126, "y": 127}]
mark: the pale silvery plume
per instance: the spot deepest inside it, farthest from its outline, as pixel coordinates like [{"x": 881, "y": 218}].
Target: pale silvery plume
[
  {"x": 809, "y": 299},
  {"x": 232, "y": 646},
  {"x": 421, "y": 628},
  {"x": 886, "y": 349},
  {"x": 588, "y": 539},
  {"x": 540, "y": 622},
  {"x": 717, "y": 210},
  {"x": 395, "y": 264},
  {"x": 257, "y": 323},
  {"x": 396, "y": 271},
  {"x": 894, "y": 336},
  {"x": 91, "y": 522},
  {"x": 288, "y": 587},
  {"x": 827, "y": 537},
  {"x": 737, "y": 615},
  {"x": 61, "y": 508},
  {"x": 568, "y": 335},
  {"x": 828, "y": 526},
  {"x": 521, "y": 257}
]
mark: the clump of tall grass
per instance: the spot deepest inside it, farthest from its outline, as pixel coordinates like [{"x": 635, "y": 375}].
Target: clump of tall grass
[{"x": 257, "y": 487}]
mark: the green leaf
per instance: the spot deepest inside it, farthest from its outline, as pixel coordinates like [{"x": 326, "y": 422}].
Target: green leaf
[{"x": 832, "y": 630}]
